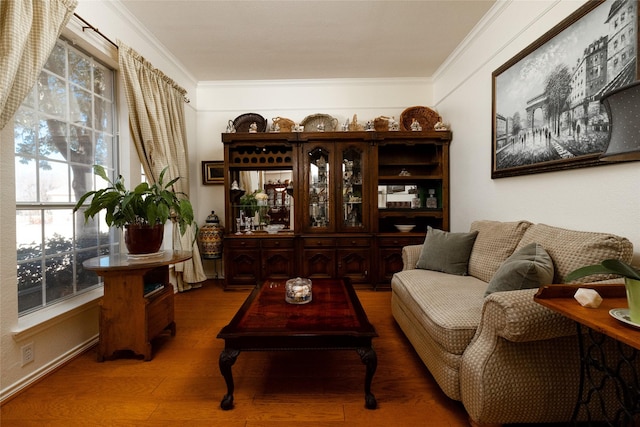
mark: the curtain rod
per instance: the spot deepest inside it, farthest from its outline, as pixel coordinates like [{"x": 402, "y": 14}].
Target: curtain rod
[{"x": 89, "y": 26}]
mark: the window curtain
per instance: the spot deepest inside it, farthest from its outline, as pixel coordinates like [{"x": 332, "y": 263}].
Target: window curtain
[
  {"x": 156, "y": 119},
  {"x": 28, "y": 32}
]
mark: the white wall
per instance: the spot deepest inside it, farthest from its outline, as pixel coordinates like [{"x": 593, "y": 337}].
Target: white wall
[
  {"x": 603, "y": 198},
  {"x": 57, "y": 337}
]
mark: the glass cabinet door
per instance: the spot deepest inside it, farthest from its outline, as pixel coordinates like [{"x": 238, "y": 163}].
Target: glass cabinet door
[
  {"x": 319, "y": 196},
  {"x": 351, "y": 188},
  {"x": 353, "y": 192}
]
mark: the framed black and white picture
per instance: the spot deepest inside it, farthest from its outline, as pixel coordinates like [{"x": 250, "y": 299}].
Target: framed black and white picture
[{"x": 546, "y": 110}]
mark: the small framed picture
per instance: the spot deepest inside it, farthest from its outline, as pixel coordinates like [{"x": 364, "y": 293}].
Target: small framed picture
[{"x": 212, "y": 172}]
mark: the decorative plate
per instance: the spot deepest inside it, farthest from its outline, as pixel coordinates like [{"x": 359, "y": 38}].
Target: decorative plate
[
  {"x": 424, "y": 115},
  {"x": 622, "y": 314},
  {"x": 243, "y": 121},
  {"x": 312, "y": 122}
]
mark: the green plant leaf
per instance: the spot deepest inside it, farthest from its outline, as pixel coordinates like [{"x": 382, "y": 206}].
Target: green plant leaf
[
  {"x": 141, "y": 188},
  {"x": 187, "y": 210},
  {"x": 621, "y": 268},
  {"x": 99, "y": 170},
  {"x": 170, "y": 183},
  {"x": 609, "y": 266}
]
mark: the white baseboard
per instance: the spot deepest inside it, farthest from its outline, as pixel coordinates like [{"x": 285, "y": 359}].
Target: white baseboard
[{"x": 24, "y": 383}]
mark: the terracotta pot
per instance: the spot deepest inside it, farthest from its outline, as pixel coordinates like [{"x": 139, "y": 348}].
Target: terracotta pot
[{"x": 143, "y": 239}]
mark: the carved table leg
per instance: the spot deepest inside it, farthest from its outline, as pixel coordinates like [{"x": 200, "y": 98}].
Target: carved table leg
[
  {"x": 370, "y": 359},
  {"x": 148, "y": 349},
  {"x": 227, "y": 359}
]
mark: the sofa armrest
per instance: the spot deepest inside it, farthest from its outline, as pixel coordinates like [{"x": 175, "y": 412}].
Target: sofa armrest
[
  {"x": 522, "y": 352},
  {"x": 410, "y": 256},
  {"x": 516, "y": 317}
]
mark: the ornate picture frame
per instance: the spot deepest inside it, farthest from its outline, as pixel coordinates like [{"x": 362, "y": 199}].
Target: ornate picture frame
[
  {"x": 212, "y": 172},
  {"x": 546, "y": 108}
]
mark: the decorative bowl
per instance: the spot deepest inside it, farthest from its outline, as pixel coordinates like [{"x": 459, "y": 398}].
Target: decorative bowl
[
  {"x": 424, "y": 115},
  {"x": 274, "y": 228},
  {"x": 242, "y": 123},
  {"x": 404, "y": 228}
]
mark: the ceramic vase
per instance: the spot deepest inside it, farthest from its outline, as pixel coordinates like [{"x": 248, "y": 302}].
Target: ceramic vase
[
  {"x": 633, "y": 298},
  {"x": 210, "y": 237}
]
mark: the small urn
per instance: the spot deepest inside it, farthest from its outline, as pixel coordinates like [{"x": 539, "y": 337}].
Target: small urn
[{"x": 210, "y": 237}]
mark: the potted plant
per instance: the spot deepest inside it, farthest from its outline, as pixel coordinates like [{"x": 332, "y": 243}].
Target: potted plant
[
  {"x": 614, "y": 266},
  {"x": 249, "y": 203},
  {"x": 143, "y": 210}
]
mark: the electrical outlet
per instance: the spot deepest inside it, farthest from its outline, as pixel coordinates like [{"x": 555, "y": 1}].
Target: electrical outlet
[{"x": 28, "y": 354}]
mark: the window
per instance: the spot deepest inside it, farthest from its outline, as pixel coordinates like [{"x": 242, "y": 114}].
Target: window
[{"x": 64, "y": 126}]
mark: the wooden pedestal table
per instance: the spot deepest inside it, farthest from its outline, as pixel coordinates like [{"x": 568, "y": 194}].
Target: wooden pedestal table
[{"x": 131, "y": 317}]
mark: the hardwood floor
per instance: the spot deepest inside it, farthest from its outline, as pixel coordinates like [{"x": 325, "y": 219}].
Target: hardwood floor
[{"x": 182, "y": 384}]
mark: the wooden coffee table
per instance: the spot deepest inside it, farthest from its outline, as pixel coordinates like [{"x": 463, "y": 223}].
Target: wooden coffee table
[{"x": 333, "y": 320}]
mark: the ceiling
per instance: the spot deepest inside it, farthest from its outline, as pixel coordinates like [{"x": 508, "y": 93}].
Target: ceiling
[{"x": 316, "y": 39}]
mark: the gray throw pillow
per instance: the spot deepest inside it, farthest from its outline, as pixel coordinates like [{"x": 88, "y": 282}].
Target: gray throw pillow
[
  {"x": 446, "y": 252},
  {"x": 529, "y": 267}
]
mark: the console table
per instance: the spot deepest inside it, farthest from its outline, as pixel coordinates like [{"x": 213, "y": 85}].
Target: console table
[
  {"x": 595, "y": 328},
  {"x": 130, "y": 315}
]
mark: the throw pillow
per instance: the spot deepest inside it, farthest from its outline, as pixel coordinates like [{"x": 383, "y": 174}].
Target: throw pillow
[
  {"x": 446, "y": 252},
  {"x": 529, "y": 267}
]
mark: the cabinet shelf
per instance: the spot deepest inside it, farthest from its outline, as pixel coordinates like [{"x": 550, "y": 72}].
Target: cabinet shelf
[
  {"x": 407, "y": 178},
  {"x": 409, "y": 213},
  {"x": 405, "y": 164}
]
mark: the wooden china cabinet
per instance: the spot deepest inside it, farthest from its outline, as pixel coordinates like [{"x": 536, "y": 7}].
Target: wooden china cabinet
[{"x": 345, "y": 194}]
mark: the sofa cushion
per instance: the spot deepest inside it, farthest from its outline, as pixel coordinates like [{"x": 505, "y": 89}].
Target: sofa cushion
[
  {"x": 449, "y": 307},
  {"x": 446, "y": 252},
  {"x": 528, "y": 267},
  {"x": 496, "y": 241},
  {"x": 571, "y": 249}
]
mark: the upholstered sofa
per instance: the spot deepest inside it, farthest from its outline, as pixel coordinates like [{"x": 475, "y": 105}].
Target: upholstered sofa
[{"x": 504, "y": 356}]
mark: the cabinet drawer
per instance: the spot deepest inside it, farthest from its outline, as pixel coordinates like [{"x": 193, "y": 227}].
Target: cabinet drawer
[
  {"x": 242, "y": 243},
  {"x": 400, "y": 241},
  {"x": 277, "y": 243},
  {"x": 319, "y": 242},
  {"x": 360, "y": 242}
]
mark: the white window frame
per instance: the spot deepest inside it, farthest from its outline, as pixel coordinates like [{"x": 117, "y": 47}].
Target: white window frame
[{"x": 89, "y": 290}]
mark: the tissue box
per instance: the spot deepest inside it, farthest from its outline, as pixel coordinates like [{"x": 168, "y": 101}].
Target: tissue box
[{"x": 588, "y": 297}]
